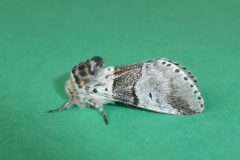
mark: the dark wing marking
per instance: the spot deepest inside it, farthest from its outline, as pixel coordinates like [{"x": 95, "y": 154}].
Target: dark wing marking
[{"x": 124, "y": 83}]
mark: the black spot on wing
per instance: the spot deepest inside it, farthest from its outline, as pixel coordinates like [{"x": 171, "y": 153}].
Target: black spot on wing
[{"x": 150, "y": 95}]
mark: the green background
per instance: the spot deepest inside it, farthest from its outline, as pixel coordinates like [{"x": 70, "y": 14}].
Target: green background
[{"x": 40, "y": 41}]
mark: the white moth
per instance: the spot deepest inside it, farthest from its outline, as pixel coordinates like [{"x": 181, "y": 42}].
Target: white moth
[{"x": 157, "y": 84}]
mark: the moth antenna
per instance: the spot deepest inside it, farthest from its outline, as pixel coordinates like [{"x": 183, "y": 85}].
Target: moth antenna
[{"x": 65, "y": 106}]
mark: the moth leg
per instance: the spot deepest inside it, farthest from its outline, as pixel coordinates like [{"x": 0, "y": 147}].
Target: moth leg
[
  {"x": 100, "y": 109},
  {"x": 66, "y": 105},
  {"x": 103, "y": 114}
]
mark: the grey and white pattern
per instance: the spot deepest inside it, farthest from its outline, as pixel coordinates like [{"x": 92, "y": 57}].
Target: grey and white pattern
[{"x": 158, "y": 85}]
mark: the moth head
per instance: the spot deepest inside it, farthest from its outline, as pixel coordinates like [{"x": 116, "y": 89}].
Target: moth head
[
  {"x": 89, "y": 67},
  {"x": 81, "y": 75},
  {"x": 85, "y": 71}
]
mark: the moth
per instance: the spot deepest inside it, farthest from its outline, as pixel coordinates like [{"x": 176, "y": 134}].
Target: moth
[{"x": 158, "y": 84}]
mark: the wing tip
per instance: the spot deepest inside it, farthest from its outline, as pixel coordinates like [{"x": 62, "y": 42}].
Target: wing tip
[{"x": 193, "y": 111}]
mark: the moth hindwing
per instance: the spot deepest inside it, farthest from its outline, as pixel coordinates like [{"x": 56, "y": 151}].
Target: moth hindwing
[{"x": 158, "y": 85}]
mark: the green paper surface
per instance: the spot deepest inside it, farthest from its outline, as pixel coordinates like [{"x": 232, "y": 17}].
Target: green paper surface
[{"x": 40, "y": 42}]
